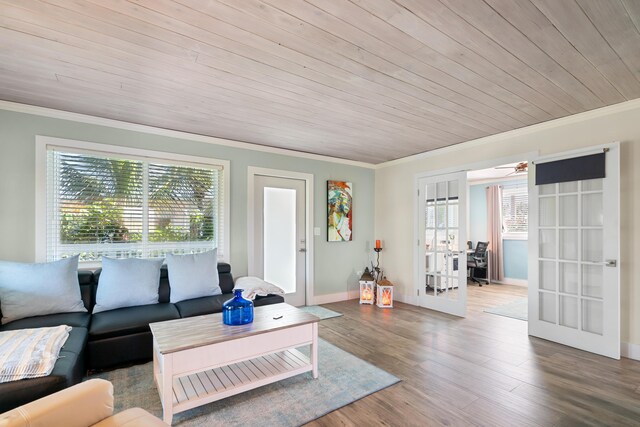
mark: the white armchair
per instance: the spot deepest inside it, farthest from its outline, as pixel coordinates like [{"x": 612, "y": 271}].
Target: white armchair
[{"x": 86, "y": 404}]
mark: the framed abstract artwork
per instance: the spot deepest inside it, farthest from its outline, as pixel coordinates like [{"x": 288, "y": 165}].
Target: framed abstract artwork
[{"x": 340, "y": 212}]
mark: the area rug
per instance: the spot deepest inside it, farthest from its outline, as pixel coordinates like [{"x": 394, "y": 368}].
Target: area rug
[
  {"x": 517, "y": 309},
  {"x": 321, "y": 312},
  {"x": 343, "y": 379}
]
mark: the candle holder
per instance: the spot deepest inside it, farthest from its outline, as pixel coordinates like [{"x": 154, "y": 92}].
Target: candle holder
[{"x": 377, "y": 272}]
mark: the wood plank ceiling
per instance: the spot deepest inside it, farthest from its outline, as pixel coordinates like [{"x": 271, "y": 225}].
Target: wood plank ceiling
[{"x": 368, "y": 80}]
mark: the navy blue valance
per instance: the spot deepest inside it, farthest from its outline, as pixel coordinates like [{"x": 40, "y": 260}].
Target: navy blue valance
[{"x": 574, "y": 169}]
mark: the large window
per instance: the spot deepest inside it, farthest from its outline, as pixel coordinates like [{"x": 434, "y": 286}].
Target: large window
[
  {"x": 515, "y": 211},
  {"x": 124, "y": 205}
]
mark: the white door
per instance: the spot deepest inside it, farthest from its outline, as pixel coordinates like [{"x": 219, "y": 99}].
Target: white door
[
  {"x": 442, "y": 272},
  {"x": 280, "y": 230},
  {"x": 574, "y": 286}
]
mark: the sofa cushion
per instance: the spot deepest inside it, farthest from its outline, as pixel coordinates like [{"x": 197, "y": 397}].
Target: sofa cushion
[
  {"x": 87, "y": 285},
  {"x": 37, "y": 289},
  {"x": 76, "y": 341},
  {"x": 127, "y": 282},
  {"x": 129, "y": 320},
  {"x": 68, "y": 370},
  {"x": 193, "y": 275},
  {"x": 266, "y": 300},
  {"x": 204, "y": 305},
  {"x": 226, "y": 279},
  {"x": 164, "y": 290},
  {"x": 124, "y": 350},
  {"x": 80, "y": 320}
]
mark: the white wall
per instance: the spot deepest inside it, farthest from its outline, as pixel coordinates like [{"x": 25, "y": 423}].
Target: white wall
[
  {"x": 336, "y": 263},
  {"x": 395, "y": 190}
]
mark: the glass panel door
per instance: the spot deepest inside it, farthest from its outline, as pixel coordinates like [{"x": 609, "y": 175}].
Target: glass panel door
[
  {"x": 279, "y": 237},
  {"x": 574, "y": 285},
  {"x": 279, "y": 249},
  {"x": 442, "y": 254}
]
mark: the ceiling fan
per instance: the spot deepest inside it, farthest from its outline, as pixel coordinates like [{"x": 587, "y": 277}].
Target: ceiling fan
[{"x": 521, "y": 167}]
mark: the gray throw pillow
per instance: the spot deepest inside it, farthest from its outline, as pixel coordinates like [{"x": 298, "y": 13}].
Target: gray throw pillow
[
  {"x": 28, "y": 290},
  {"x": 193, "y": 275},
  {"x": 127, "y": 282}
]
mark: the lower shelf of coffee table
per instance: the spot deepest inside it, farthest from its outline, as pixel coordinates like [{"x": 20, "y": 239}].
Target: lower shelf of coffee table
[{"x": 214, "y": 384}]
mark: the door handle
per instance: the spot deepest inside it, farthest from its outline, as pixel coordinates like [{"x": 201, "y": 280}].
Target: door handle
[
  {"x": 302, "y": 250},
  {"x": 611, "y": 263}
]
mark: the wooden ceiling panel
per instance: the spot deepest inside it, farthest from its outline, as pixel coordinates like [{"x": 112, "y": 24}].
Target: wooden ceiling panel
[
  {"x": 535, "y": 26},
  {"x": 587, "y": 39},
  {"x": 400, "y": 47},
  {"x": 457, "y": 51},
  {"x": 368, "y": 80}
]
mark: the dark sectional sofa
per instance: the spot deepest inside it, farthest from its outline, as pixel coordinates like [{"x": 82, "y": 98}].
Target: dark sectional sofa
[{"x": 109, "y": 338}]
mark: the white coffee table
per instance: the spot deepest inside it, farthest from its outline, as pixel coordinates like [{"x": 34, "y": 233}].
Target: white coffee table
[{"x": 198, "y": 360}]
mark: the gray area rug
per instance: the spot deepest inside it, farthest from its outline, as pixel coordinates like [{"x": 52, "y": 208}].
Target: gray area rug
[
  {"x": 517, "y": 309},
  {"x": 321, "y": 312},
  {"x": 343, "y": 379}
]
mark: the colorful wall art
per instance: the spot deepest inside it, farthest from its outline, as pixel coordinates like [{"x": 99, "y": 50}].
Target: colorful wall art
[{"x": 340, "y": 220}]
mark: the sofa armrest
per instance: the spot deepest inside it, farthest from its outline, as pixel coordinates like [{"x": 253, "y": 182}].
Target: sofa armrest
[{"x": 82, "y": 405}]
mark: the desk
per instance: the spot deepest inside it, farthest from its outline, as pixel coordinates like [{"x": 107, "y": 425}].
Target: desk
[
  {"x": 439, "y": 270},
  {"x": 434, "y": 278}
]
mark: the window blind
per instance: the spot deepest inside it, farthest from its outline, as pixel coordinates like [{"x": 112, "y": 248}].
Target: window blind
[
  {"x": 515, "y": 209},
  {"x": 103, "y": 205}
]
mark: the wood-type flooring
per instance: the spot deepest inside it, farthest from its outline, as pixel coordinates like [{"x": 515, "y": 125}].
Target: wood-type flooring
[{"x": 483, "y": 370}]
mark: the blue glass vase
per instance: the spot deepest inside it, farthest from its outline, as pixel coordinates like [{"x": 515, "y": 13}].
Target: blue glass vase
[{"x": 237, "y": 311}]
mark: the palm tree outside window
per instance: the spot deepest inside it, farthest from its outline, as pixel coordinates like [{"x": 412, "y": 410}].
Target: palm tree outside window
[{"x": 100, "y": 204}]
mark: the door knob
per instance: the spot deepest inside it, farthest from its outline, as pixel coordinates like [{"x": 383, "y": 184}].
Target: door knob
[
  {"x": 611, "y": 263},
  {"x": 302, "y": 250}
]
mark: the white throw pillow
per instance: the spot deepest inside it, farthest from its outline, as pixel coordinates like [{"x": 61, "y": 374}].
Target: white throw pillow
[
  {"x": 193, "y": 275},
  {"x": 127, "y": 282},
  {"x": 253, "y": 286},
  {"x": 28, "y": 290}
]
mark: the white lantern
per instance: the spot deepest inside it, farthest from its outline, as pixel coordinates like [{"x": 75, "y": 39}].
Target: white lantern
[
  {"x": 384, "y": 296},
  {"x": 367, "y": 284}
]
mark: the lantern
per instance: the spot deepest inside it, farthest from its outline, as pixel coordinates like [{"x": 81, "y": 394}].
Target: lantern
[
  {"x": 367, "y": 283},
  {"x": 384, "y": 293}
]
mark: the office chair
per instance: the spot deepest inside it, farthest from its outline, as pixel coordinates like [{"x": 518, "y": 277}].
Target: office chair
[{"x": 478, "y": 259}]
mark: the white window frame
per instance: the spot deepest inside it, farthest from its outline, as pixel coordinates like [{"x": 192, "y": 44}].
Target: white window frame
[
  {"x": 523, "y": 235},
  {"x": 43, "y": 143}
]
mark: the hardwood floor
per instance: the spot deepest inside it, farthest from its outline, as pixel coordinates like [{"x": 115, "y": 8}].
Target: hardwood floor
[{"x": 482, "y": 370}]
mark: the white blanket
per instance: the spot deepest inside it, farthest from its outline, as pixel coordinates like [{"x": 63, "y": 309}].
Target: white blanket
[
  {"x": 30, "y": 353},
  {"x": 253, "y": 286}
]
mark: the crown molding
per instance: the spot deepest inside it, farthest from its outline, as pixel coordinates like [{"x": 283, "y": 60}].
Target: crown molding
[
  {"x": 118, "y": 124},
  {"x": 551, "y": 124}
]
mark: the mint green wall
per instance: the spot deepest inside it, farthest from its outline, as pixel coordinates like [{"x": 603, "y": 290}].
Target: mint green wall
[
  {"x": 335, "y": 263},
  {"x": 515, "y": 256}
]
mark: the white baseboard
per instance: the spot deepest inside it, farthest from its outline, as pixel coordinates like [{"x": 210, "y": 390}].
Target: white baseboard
[
  {"x": 407, "y": 299},
  {"x": 344, "y": 296},
  {"x": 340, "y": 296},
  {"x": 630, "y": 351},
  {"x": 510, "y": 281}
]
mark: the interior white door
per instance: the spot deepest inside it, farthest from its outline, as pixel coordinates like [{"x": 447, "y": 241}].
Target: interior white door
[
  {"x": 280, "y": 230},
  {"x": 574, "y": 286},
  {"x": 442, "y": 272}
]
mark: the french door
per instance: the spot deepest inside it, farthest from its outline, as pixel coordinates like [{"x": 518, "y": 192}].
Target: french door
[
  {"x": 280, "y": 235},
  {"x": 574, "y": 286},
  {"x": 442, "y": 275}
]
